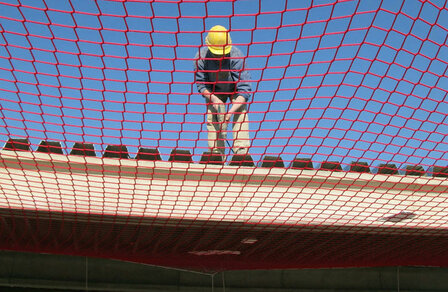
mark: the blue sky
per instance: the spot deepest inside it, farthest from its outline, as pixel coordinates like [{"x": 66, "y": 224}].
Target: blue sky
[{"x": 333, "y": 80}]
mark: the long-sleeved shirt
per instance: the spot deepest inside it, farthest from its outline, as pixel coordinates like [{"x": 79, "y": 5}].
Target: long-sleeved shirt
[{"x": 227, "y": 75}]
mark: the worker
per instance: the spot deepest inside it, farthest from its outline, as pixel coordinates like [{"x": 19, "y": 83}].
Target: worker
[{"x": 221, "y": 75}]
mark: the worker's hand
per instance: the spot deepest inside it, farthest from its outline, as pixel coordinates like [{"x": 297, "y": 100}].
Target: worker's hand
[
  {"x": 228, "y": 116},
  {"x": 213, "y": 99},
  {"x": 216, "y": 102},
  {"x": 237, "y": 104}
]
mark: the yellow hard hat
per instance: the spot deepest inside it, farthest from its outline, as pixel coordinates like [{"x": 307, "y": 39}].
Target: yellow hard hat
[{"x": 218, "y": 40}]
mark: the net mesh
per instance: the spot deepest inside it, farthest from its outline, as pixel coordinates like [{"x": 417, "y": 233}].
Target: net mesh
[{"x": 106, "y": 145}]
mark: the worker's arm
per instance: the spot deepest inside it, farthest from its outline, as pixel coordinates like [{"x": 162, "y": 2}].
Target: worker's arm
[
  {"x": 243, "y": 87},
  {"x": 241, "y": 75},
  {"x": 237, "y": 103}
]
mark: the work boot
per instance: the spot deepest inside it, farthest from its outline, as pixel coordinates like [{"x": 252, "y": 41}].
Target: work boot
[{"x": 217, "y": 152}]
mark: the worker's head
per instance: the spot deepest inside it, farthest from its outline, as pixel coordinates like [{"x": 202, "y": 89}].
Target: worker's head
[{"x": 218, "y": 40}]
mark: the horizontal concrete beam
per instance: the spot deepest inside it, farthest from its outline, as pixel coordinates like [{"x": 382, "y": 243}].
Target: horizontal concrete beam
[{"x": 340, "y": 201}]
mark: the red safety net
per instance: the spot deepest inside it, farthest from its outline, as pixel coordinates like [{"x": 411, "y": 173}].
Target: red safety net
[{"x": 106, "y": 149}]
